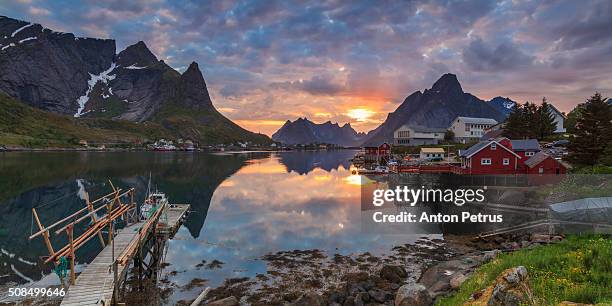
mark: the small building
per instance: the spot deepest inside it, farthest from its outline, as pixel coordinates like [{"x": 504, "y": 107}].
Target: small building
[
  {"x": 431, "y": 153},
  {"x": 490, "y": 157},
  {"x": 542, "y": 163},
  {"x": 407, "y": 135},
  {"x": 526, "y": 148},
  {"x": 504, "y": 156},
  {"x": 468, "y": 129},
  {"x": 378, "y": 154},
  {"x": 559, "y": 119}
]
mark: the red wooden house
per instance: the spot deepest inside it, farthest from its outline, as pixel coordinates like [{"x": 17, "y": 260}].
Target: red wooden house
[
  {"x": 542, "y": 163},
  {"x": 382, "y": 152},
  {"x": 504, "y": 156},
  {"x": 490, "y": 157}
]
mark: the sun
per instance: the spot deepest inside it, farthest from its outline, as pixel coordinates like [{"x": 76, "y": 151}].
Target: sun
[{"x": 360, "y": 114}]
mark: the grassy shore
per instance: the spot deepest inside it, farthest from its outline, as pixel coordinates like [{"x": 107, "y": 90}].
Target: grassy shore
[{"x": 578, "y": 269}]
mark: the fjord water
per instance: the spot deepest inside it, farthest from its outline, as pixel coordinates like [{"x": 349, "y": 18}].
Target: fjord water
[{"x": 245, "y": 205}]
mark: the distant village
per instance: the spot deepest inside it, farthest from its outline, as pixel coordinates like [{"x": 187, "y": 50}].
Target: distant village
[{"x": 469, "y": 145}]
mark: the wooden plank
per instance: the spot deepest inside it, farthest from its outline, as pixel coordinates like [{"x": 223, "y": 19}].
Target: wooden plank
[{"x": 96, "y": 282}]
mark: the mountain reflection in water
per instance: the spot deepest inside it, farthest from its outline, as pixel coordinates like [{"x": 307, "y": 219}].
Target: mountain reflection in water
[{"x": 244, "y": 206}]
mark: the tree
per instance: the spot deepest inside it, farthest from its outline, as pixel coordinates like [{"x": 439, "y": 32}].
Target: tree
[
  {"x": 530, "y": 121},
  {"x": 515, "y": 123},
  {"x": 449, "y": 136},
  {"x": 545, "y": 120},
  {"x": 572, "y": 117},
  {"x": 593, "y": 132}
]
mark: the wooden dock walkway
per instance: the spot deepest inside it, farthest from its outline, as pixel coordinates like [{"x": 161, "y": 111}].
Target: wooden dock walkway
[
  {"x": 173, "y": 219},
  {"x": 96, "y": 284}
]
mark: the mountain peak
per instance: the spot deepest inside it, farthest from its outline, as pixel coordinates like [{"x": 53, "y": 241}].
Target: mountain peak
[
  {"x": 194, "y": 88},
  {"x": 137, "y": 54},
  {"x": 447, "y": 83},
  {"x": 304, "y": 131}
]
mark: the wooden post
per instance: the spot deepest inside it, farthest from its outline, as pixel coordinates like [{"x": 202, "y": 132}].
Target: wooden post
[
  {"x": 71, "y": 240},
  {"x": 93, "y": 218},
  {"x": 109, "y": 207},
  {"x": 45, "y": 233}
]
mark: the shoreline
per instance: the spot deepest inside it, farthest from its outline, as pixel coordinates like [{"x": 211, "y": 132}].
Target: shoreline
[{"x": 304, "y": 277}]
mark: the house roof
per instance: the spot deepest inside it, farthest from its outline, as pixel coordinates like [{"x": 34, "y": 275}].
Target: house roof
[
  {"x": 492, "y": 134},
  {"x": 481, "y": 145},
  {"x": 525, "y": 145},
  {"x": 536, "y": 159},
  {"x": 432, "y": 150},
  {"x": 422, "y": 129},
  {"x": 475, "y": 120},
  {"x": 554, "y": 109}
]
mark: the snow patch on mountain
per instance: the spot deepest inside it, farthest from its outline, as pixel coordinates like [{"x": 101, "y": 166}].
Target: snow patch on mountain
[
  {"x": 104, "y": 77},
  {"x": 26, "y": 39},
  {"x": 133, "y": 66},
  {"x": 19, "y": 30},
  {"x": 7, "y": 46}
]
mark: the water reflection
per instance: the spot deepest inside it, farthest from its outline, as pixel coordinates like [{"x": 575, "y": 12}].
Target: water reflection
[
  {"x": 245, "y": 205},
  {"x": 262, "y": 209},
  {"x": 303, "y": 162}
]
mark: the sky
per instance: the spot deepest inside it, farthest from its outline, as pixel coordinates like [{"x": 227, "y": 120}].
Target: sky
[{"x": 354, "y": 61}]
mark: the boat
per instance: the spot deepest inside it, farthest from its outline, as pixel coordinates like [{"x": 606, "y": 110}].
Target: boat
[
  {"x": 152, "y": 203},
  {"x": 377, "y": 170},
  {"x": 165, "y": 147}
]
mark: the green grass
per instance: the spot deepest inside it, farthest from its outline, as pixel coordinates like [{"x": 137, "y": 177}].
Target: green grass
[
  {"x": 25, "y": 126},
  {"x": 578, "y": 269}
]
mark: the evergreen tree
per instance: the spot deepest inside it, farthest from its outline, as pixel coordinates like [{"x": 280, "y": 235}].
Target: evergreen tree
[
  {"x": 593, "y": 132},
  {"x": 515, "y": 123},
  {"x": 531, "y": 121},
  {"x": 545, "y": 120},
  {"x": 572, "y": 117}
]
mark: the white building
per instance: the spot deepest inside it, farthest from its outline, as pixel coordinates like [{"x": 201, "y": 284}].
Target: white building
[
  {"x": 432, "y": 153},
  {"x": 468, "y": 129},
  {"x": 559, "y": 119},
  {"x": 417, "y": 135}
]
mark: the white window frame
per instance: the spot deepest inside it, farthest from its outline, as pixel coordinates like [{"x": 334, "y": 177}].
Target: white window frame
[
  {"x": 493, "y": 146},
  {"x": 506, "y": 161},
  {"x": 486, "y": 161},
  {"x": 529, "y": 153},
  {"x": 541, "y": 170}
]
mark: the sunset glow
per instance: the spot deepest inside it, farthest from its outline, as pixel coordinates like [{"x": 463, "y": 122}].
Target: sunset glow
[
  {"x": 360, "y": 114},
  {"x": 266, "y": 62}
]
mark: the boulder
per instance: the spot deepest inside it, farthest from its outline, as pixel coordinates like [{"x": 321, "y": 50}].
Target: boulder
[
  {"x": 510, "y": 288},
  {"x": 456, "y": 280},
  {"x": 394, "y": 274},
  {"x": 309, "y": 299},
  {"x": 490, "y": 255},
  {"x": 412, "y": 295},
  {"x": 540, "y": 238},
  {"x": 228, "y": 301},
  {"x": 377, "y": 295}
]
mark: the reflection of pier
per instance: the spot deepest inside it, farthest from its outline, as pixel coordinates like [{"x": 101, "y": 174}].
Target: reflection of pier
[{"x": 141, "y": 241}]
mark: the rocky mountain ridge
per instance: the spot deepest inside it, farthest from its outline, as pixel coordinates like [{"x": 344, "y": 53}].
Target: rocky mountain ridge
[
  {"x": 435, "y": 107},
  {"x": 85, "y": 78},
  {"x": 304, "y": 131},
  {"x": 503, "y": 105}
]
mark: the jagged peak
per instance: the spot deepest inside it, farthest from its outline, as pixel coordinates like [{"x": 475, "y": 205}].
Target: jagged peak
[
  {"x": 447, "y": 83},
  {"x": 193, "y": 73},
  {"x": 137, "y": 54}
]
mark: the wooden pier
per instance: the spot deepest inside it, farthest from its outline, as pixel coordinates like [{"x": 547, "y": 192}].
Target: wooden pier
[
  {"x": 96, "y": 283},
  {"x": 136, "y": 247}
]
